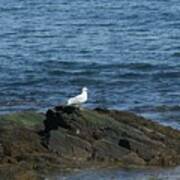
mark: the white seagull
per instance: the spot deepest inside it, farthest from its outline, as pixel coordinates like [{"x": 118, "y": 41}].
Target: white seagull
[{"x": 79, "y": 99}]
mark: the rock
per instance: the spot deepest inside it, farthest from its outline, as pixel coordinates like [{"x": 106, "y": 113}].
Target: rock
[
  {"x": 111, "y": 135},
  {"x": 17, "y": 173},
  {"x": 25, "y": 118},
  {"x": 105, "y": 150},
  {"x": 32, "y": 144},
  {"x": 68, "y": 145},
  {"x": 133, "y": 159}
]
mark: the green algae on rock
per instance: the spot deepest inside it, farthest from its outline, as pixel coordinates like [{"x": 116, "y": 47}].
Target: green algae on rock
[{"x": 26, "y": 118}]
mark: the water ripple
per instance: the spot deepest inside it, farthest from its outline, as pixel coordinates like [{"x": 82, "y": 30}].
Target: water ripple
[{"x": 126, "y": 52}]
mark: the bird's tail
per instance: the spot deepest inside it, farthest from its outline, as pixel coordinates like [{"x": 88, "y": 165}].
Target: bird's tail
[{"x": 67, "y": 103}]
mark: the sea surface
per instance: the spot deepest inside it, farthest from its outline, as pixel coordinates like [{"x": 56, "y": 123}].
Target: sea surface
[
  {"x": 126, "y": 52},
  {"x": 116, "y": 174}
]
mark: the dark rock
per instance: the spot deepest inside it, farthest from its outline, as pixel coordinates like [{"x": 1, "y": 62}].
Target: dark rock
[
  {"x": 111, "y": 135},
  {"x": 108, "y": 151},
  {"x": 124, "y": 143},
  {"x": 67, "y": 145}
]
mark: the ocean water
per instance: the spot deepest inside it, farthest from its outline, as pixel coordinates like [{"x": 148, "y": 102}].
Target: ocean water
[
  {"x": 116, "y": 174},
  {"x": 126, "y": 52}
]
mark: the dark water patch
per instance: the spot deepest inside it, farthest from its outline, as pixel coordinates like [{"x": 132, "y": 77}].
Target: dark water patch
[
  {"x": 141, "y": 66},
  {"x": 82, "y": 81},
  {"x": 134, "y": 75},
  {"x": 142, "y": 109},
  {"x": 176, "y": 54},
  {"x": 11, "y": 9},
  {"x": 43, "y": 36},
  {"x": 29, "y": 82},
  {"x": 121, "y": 83},
  {"x": 76, "y": 65},
  {"x": 160, "y": 108},
  {"x": 57, "y": 72},
  {"x": 57, "y": 63},
  {"x": 170, "y": 74},
  {"x": 106, "y": 66},
  {"x": 165, "y": 108},
  {"x": 4, "y": 58}
]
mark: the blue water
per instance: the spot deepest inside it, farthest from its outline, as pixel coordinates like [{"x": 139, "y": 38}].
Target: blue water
[
  {"x": 126, "y": 52},
  {"x": 123, "y": 174}
]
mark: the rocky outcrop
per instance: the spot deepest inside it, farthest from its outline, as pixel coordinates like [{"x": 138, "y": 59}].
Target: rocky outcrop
[
  {"x": 32, "y": 144},
  {"x": 110, "y": 136}
]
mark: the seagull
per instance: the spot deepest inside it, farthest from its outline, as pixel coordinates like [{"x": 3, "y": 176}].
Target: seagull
[{"x": 79, "y": 99}]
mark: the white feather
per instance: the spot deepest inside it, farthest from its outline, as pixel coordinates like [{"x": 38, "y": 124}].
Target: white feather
[{"x": 79, "y": 99}]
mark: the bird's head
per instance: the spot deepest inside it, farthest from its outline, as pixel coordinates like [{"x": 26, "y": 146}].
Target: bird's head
[{"x": 84, "y": 89}]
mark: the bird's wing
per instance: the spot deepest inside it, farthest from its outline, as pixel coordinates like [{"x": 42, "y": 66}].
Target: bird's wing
[{"x": 75, "y": 100}]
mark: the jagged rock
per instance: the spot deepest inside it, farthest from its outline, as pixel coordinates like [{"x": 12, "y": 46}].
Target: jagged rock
[
  {"x": 32, "y": 144},
  {"x": 111, "y": 135}
]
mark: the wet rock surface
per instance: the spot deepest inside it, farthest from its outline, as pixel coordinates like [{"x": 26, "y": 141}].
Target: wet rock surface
[
  {"x": 110, "y": 135},
  {"x": 33, "y": 144}
]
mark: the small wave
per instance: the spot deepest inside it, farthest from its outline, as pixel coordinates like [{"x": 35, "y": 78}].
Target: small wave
[
  {"x": 81, "y": 81},
  {"x": 57, "y": 72},
  {"x": 24, "y": 83},
  {"x": 165, "y": 108},
  {"x": 103, "y": 66},
  {"x": 142, "y": 109},
  {"x": 141, "y": 66},
  {"x": 133, "y": 75},
  {"x": 169, "y": 74},
  {"x": 58, "y": 63},
  {"x": 149, "y": 66},
  {"x": 161, "y": 108},
  {"x": 63, "y": 72}
]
